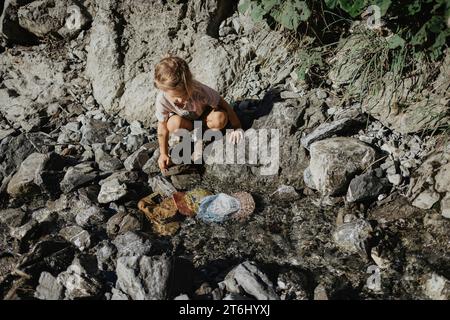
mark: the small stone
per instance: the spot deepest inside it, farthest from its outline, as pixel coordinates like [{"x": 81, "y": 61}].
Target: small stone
[
  {"x": 77, "y": 235},
  {"x": 121, "y": 223},
  {"x": 426, "y": 199},
  {"x": 25, "y": 231},
  {"x": 445, "y": 206},
  {"x": 186, "y": 181},
  {"x": 144, "y": 278},
  {"x": 182, "y": 297},
  {"x": 290, "y": 95},
  {"x": 247, "y": 278},
  {"x": 437, "y": 287},
  {"x": 90, "y": 216},
  {"x": 77, "y": 176},
  {"x": 138, "y": 159},
  {"x": 94, "y": 131},
  {"x": 134, "y": 142},
  {"x": 326, "y": 130},
  {"x": 12, "y": 217},
  {"x": 136, "y": 128},
  {"x": 365, "y": 187},
  {"x": 285, "y": 193},
  {"x": 443, "y": 179},
  {"x": 321, "y": 94},
  {"x": 320, "y": 293},
  {"x": 395, "y": 179},
  {"x": 162, "y": 185},
  {"x": 111, "y": 190},
  {"x": 132, "y": 244},
  {"x": 105, "y": 256},
  {"x": 105, "y": 162},
  {"x": 28, "y": 177},
  {"x": 49, "y": 288},
  {"x": 352, "y": 236},
  {"x": 80, "y": 282},
  {"x": 151, "y": 166}
]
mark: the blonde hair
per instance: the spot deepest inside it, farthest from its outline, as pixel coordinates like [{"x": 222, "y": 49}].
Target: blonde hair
[{"x": 173, "y": 73}]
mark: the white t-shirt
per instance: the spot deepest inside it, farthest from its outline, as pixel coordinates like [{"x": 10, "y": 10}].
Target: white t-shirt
[{"x": 202, "y": 97}]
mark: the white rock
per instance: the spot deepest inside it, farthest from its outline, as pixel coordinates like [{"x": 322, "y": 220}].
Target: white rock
[{"x": 395, "y": 179}]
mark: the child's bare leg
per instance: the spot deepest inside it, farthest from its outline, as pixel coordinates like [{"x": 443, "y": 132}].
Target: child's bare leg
[
  {"x": 176, "y": 122},
  {"x": 216, "y": 120}
]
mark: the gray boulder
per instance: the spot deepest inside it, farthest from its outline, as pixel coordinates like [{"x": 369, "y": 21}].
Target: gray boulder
[
  {"x": 144, "y": 278},
  {"x": 111, "y": 190},
  {"x": 103, "y": 65},
  {"x": 77, "y": 176},
  {"x": 77, "y": 235},
  {"x": 246, "y": 278},
  {"x": 335, "y": 161},
  {"x": 43, "y": 17}
]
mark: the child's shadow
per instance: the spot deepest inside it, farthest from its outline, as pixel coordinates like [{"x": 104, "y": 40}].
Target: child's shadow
[{"x": 249, "y": 110}]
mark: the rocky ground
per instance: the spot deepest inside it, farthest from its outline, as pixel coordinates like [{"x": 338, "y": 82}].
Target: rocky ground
[{"x": 359, "y": 209}]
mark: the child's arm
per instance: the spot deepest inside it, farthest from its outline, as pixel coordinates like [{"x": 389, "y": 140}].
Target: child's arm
[
  {"x": 232, "y": 116},
  {"x": 163, "y": 140}
]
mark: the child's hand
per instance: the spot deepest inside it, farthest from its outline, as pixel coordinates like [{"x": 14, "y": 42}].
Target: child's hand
[
  {"x": 236, "y": 136},
  {"x": 163, "y": 162}
]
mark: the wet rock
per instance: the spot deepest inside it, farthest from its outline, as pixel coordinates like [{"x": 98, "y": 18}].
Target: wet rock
[
  {"x": 28, "y": 178},
  {"x": 144, "y": 278},
  {"x": 442, "y": 179},
  {"x": 326, "y": 130},
  {"x": 365, "y": 187},
  {"x": 436, "y": 287},
  {"x": 43, "y": 17},
  {"x": 77, "y": 235},
  {"x": 426, "y": 199},
  {"x": 111, "y": 190},
  {"x": 78, "y": 176},
  {"x": 352, "y": 236},
  {"x": 121, "y": 223},
  {"x": 49, "y": 288},
  {"x": 248, "y": 279},
  {"x": 138, "y": 159},
  {"x": 132, "y": 244},
  {"x": 335, "y": 161},
  {"x": 12, "y": 217}
]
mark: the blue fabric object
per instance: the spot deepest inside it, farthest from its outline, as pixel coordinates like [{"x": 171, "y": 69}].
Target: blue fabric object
[{"x": 217, "y": 208}]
